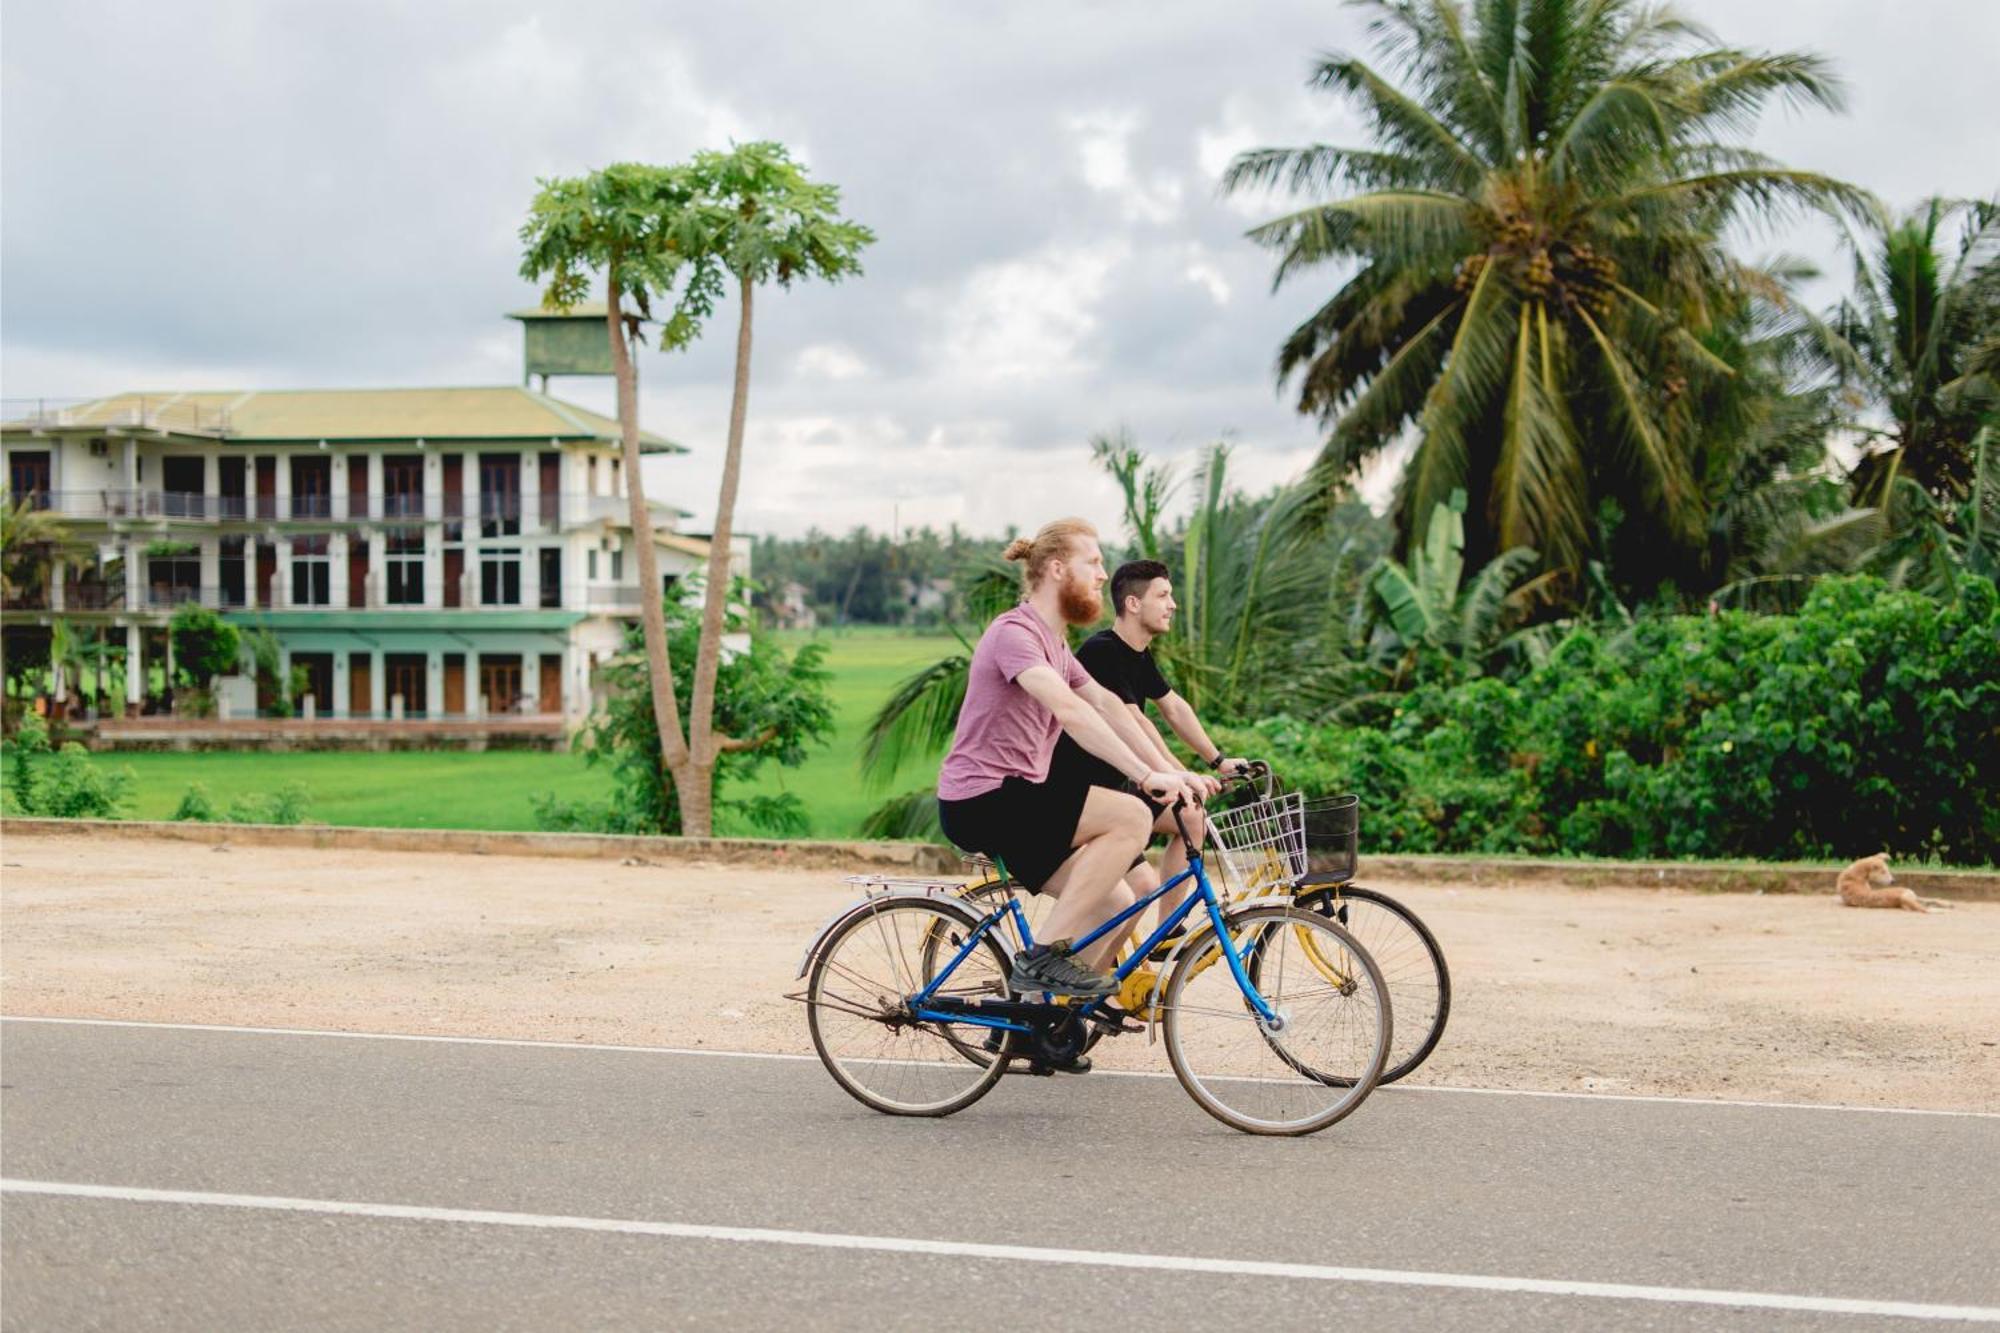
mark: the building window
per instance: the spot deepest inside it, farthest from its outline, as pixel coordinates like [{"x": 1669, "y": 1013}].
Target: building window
[
  {"x": 403, "y": 558},
  {"x": 312, "y": 487},
  {"x": 403, "y": 486},
  {"x": 230, "y": 570},
  {"x": 500, "y": 682},
  {"x": 174, "y": 575},
  {"x": 500, "y": 578},
  {"x": 499, "y": 495},
  {"x": 590, "y": 564},
  {"x": 312, "y": 571},
  {"x": 28, "y": 472},
  {"x": 618, "y": 564},
  {"x": 551, "y": 579}
]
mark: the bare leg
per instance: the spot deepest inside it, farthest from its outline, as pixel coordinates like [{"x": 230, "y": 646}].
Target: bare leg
[
  {"x": 1089, "y": 888},
  {"x": 1176, "y": 859}
]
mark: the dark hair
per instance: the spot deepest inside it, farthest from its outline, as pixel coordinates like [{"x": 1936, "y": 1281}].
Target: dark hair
[{"x": 1132, "y": 580}]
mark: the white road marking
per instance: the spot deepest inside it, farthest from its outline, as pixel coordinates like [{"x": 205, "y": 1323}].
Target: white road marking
[
  {"x": 1036, "y": 1254},
  {"x": 719, "y": 1053}
]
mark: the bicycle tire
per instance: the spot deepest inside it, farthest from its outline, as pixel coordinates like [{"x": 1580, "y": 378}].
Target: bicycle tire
[
  {"x": 858, "y": 1073},
  {"x": 1411, "y": 962},
  {"x": 1227, "y": 1010}
]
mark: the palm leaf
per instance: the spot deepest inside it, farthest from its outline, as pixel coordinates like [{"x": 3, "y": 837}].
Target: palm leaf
[{"x": 918, "y": 719}]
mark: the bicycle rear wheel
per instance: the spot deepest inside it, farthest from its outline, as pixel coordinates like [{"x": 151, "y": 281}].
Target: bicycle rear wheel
[
  {"x": 1254, "y": 1076},
  {"x": 858, "y": 990},
  {"x": 1411, "y": 962}
]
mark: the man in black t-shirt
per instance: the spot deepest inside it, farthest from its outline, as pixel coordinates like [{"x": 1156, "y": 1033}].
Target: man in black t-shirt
[{"x": 1121, "y": 660}]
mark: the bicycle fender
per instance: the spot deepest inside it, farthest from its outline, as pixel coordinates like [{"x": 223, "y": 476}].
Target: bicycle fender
[
  {"x": 861, "y": 906},
  {"x": 1174, "y": 957}
]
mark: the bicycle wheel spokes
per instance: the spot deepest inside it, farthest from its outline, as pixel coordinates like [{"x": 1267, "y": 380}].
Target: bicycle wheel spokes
[
  {"x": 1411, "y": 963},
  {"x": 1257, "y": 1077},
  {"x": 977, "y": 976},
  {"x": 858, "y": 1009}
]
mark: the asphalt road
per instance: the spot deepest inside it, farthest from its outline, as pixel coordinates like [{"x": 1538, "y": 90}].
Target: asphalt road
[{"x": 212, "y": 1179}]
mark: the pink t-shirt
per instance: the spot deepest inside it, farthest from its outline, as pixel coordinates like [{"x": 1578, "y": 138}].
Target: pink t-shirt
[{"x": 1003, "y": 731}]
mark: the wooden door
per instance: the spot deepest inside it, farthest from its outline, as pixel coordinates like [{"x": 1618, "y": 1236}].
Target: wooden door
[
  {"x": 408, "y": 675},
  {"x": 357, "y": 487},
  {"x": 267, "y": 571},
  {"x": 552, "y": 682},
  {"x": 357, "y": 573},
  {"x": 267, "y": 487},
  {"x": 454, "y": 683},
  {"x": 454, "y": 575},
  {"x": 550, "y": 482},
  {"x": 360, "y": 683}
]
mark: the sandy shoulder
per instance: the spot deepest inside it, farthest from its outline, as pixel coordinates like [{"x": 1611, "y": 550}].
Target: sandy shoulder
[{"x": 1628, "y": 990}]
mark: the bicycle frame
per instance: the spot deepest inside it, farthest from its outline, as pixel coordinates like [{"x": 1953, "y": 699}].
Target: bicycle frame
[{"x": 1206, "y": 897}]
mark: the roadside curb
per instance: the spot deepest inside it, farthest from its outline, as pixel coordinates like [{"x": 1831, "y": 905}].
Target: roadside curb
[
  {"x": 917, "y": 857},
  {"x": 930, "y": 859}
]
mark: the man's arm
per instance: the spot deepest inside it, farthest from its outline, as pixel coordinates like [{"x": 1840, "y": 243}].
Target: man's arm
[
  {"x": 1153, "y": 734},
  {"x": 1179, "y": 714},
  {"x": 1079, "y": 715}
]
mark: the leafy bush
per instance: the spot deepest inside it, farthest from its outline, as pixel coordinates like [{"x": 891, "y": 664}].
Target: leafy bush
[
  {"x": 205, "y": 645},
  {"x": 196, "y": 805},
  {"x": 761, "y": 692},
  {"x": 64, "y": 783},
  {"x": 1869, "y": 721}
]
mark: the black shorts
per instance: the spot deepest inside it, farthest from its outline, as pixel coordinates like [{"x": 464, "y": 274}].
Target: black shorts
[
  {"x": 1073, "y": 763},
  {"x": 1030, "y": 826}
]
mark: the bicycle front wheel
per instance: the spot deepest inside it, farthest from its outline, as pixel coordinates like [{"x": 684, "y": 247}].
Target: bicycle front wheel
[
  {"x": 1255, "y": 1075},
  {"x": 858, "y": 993},
  {"x": 1411, "y": 962}
]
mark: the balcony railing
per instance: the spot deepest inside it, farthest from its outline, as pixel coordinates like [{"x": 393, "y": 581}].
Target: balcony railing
[
  {"x": 610, "y": 597},
  {"x": 500, "y": 514}
]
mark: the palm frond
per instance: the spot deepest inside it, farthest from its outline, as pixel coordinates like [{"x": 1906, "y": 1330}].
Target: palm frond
[{"x": 917, "y": 720}]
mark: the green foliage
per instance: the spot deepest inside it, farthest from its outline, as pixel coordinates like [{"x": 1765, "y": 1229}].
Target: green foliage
[
  {"x": 1532, "y": 260},
  {"x": 196, "y": 805},
  {"x": 779, "y": 701},
  {"x": 64, "y": 783},
  {"x": 205, "y": 645},
  {"x": 1869, "y": 721}
]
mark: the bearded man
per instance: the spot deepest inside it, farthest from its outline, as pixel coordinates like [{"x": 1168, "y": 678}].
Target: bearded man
[{"x": 1058, "y": 833}]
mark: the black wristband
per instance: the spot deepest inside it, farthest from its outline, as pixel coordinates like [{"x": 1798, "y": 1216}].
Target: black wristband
[{"x": 1217, "y": 761}]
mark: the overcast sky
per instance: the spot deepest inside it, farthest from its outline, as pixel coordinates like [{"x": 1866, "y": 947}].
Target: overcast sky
[{"x": 273, "y": 194}]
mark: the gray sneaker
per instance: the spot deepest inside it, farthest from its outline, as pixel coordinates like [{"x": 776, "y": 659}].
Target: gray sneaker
[{"x": 1053, "y": 968}]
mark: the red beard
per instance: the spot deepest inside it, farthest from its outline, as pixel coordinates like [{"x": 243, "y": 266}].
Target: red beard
[{"x": 1079, "y": 603}]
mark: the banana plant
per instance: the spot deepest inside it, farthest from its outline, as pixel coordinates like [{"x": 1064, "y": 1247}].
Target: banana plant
[{"x": 1428, "y": 603}]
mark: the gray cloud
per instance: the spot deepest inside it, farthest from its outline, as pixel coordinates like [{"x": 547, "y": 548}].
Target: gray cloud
[{"x": 216, "y": 194}]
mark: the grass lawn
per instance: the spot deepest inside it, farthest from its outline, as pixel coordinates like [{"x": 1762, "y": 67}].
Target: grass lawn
[
  {"x": 868, "y": 662},
  {"x": 453, "y": 789}
]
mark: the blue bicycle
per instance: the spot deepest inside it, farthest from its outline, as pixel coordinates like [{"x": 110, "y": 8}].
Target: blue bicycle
[{"x": 1276, "y": 1021}]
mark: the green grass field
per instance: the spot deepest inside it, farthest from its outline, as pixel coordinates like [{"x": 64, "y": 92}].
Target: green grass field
[{"x": 450, "y": 789}]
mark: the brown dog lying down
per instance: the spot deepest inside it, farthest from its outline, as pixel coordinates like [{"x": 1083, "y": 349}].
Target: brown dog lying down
[{"x": 1865, "y": 884}]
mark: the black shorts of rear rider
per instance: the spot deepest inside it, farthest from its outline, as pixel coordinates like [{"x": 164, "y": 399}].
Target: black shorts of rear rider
[
  {"x": 1076, "y": 764},
  {"x": 1030, "y": 826}
]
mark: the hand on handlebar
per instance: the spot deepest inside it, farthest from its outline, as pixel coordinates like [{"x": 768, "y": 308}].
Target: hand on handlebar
[
  {"x": 1234, "y": 768},
  {"x": 1170, "y": 787}
]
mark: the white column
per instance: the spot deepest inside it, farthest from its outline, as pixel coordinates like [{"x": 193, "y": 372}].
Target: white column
[
  {"x": 135, "y": 574},
  {"x": 211, "y": 566},
  {"x": 211, "y": 488},
  {"x": 284, "y": 489},
  {"x": 475, "y": 703},
  {"x": 281, "y": 581},
  {"x": 374, "y": 466},
  {"x": 131, "y": 460},
  {"x": 58, "y": 573},
  {"x": 531, "y": 575},
  {"x": 250, "y": 573},
  {"x": 337, "y": 705},
  {"x": 433, "y": 682},
  {"x": 378, "y": 685},
  {"x": 531, "y": 681},
  {"x": 336, "y": 554},
  {"x": 56, "y": 670},
  {"x": 433, "y": 533},
  {"x": 135, "y": 666},
  {"x": 531, "y": 491}
]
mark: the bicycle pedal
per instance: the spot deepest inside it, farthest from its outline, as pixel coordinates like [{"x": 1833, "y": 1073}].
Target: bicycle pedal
[{"x": 1114, "y": 1021}]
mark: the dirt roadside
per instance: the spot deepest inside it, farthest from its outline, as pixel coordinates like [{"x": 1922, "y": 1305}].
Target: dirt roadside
[{"x": 1617, "y": 990}]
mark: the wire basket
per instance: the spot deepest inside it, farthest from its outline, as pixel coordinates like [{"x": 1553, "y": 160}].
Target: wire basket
[
  {"x": 1261, "y": 843},
  {"x": 1333, "y": 832}
]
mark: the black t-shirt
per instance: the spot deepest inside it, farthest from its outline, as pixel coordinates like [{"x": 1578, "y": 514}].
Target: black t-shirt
[{"x": 1129, "y": 673}]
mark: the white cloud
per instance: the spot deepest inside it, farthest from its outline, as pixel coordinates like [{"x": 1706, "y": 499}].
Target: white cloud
[
  {"x": 1025, "y": 320},
  {"x": 830, "y": 361},
  {"x": 1104, "y": 147},
  {"x": 1206, "y": 274}
]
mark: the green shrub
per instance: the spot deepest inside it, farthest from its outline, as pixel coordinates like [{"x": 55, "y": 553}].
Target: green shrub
[
  {"x": 64, "y": 783},
  {"x": 196, "y": 805},
  {"x": 1869, "y": 721}
]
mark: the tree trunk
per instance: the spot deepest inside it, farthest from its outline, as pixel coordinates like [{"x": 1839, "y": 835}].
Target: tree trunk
[
  {"x": 697, "y": 813},
  {"x": 652, "y": 614}
]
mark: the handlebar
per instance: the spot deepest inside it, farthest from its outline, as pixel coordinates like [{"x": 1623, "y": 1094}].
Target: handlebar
[{"x": 1254, "y": 772}]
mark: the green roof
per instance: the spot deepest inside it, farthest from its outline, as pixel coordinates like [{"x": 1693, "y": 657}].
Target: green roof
[{"x": 248, "y": 417}]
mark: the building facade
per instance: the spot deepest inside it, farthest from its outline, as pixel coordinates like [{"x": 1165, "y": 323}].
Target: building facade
[{"x": 418, "y": 553}]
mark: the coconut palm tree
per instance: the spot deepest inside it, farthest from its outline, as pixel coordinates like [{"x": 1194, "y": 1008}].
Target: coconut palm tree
[
  {"x": 1914, "y": 342},
  {"x": 1535, "y": 242}
]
